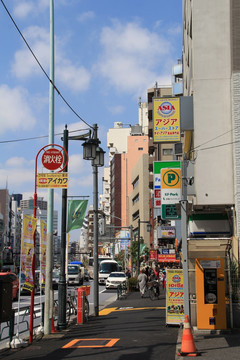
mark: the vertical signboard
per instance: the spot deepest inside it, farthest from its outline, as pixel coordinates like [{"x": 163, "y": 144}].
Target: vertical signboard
[
  {"x": 170, "y": 186},
  {"x": 157, "y": 167},
  {"x": 174, "y": 297},
  {"x": 166, "y": 120}
]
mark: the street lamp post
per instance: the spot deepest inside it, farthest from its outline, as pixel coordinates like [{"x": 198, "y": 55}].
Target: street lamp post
[
  {"x": 149, "y": 228},
  {"x": 92, "y": 151}
]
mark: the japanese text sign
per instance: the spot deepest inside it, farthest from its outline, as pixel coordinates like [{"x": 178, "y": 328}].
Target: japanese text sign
[
  {"x": 53, "y": 180},
  {"x": 166, "y": 120},
  {"x": 174, "y": 297},
  {"x": 52, "y": 159}
]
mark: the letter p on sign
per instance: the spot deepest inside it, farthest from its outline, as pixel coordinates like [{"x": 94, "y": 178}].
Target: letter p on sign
[{"x": 171, "y": 178}]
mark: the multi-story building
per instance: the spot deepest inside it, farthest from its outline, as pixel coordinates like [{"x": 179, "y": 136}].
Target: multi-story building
[
  {"x": 211, "y": 75},
  {"x": 139, "y": 199},
  {"x": 157, "y": 152}
]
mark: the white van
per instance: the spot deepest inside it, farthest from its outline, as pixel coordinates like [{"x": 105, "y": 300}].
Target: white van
[
  {"x": 105, "y": 269},
  {"x": 75, "y": 274}
]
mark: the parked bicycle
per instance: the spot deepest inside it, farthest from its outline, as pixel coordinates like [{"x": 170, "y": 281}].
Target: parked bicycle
[
  {"x": 154, "y": 289},
  {"x": 71, "y": 307}
]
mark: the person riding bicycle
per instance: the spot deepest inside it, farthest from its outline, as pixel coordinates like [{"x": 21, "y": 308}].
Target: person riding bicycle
[{"x": 154, "y": 280}]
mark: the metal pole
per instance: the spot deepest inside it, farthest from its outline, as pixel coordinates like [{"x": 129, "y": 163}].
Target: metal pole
[
  {"x": 138, "y": 249},
  {"x": 49, "y": 248},
  {"x": 131, "y": 239},
  {"x": 95, "y": 230},
  {"x": 184, "y": 236},
  {"x": 62, "y": 296},
  {"x": 33, "y": 260}
]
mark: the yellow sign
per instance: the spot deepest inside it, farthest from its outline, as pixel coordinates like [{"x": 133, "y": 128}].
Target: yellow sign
[
  {"x": 171, "y": 178},
  {"x": 53, "y": 180},
  {"x": 27, "y": 250},
  {"x": 166, "y": 120},
  {"x": 174, "y": 297}
]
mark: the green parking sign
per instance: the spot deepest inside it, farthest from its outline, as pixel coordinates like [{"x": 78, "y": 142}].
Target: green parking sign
[{"x": 169, "y": 212}]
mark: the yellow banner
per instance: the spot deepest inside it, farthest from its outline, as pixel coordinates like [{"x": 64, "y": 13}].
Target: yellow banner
[
  {"x": 174, "y": 297},
  {"x": 43, "y": 246},
  {"x": 166, "y": 120},
  {"x": 27, "y": 250},
  {"x": 52, "y": 180}
]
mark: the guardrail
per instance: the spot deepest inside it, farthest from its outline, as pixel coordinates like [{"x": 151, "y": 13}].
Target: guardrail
[{"x": 20, "y": 321}]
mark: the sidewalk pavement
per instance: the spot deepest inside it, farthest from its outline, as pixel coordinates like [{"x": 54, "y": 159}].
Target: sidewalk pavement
[{"x": 129, "y": 328}]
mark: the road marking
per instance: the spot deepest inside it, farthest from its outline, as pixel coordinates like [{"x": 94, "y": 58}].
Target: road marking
[
  {"x": 90, "y": 343},
  {"x": 107, "y": 311}
]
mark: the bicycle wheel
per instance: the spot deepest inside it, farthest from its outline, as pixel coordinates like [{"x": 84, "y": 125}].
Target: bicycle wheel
[
  {"x": 152, "y": 293},
  {"x": 86, "y": 312},
  {"x": 68, "y": 312}
]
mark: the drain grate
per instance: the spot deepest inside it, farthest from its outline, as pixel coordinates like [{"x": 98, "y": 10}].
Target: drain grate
[{"x": 90, "y": 343}]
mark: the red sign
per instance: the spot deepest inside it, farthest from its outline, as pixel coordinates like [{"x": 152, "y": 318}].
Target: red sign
[
  {"x": 153, "y": 254},
  {"x": 167, "y": 258},
  {"x": 52, "y": 159}
]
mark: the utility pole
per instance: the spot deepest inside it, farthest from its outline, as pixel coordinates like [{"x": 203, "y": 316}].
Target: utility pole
[
  {"x": 62, "y": 298},
  {"x": 48, "y": 309},
  {"x": 184, "y": 235},
  {"x": 95, "y": 229}
]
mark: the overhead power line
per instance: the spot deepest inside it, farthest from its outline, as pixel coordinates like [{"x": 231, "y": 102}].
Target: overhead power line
[
  {"x": 41, "y": 67},
  {"x": 36, "y": 137}
]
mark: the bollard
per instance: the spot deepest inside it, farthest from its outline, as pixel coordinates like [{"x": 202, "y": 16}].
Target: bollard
[
  {"x": 81, "y": 306},
  {"x": 11, "y": 326}
]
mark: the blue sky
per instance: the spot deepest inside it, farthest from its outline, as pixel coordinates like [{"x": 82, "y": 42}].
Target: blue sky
[{"x": 107, "y": 54}]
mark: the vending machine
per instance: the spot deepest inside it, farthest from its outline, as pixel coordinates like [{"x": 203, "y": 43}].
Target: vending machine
[{"x": 210, "y": 291}]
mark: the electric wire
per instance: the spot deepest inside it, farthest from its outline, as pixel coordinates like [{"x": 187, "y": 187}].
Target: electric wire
[
  {"x": 37, "y": 137},
  {"x": 41, "y": 67}
]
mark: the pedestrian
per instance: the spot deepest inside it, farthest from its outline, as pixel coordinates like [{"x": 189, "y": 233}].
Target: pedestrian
[
  {"x": 163, "y": 279},
  {"x": 128, "y": 273},
  {"x": 142, "y": 280}
]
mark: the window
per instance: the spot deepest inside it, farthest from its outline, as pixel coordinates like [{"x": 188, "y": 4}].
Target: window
[
  {"x": 135, "y": 199},
  {"x": 167, "y": 151},
  {"x": 135, "y": 216},
  {"x": 135, "y": 182},
  {"x": 140, "y": 148}
]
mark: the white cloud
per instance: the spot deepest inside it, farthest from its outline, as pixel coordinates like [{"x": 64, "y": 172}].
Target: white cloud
[
  {"x": 132, "y": 56},
  {"x": 85, "y": 16},
  {"x": 74, "y": 77},
  {"x": 24, "y": 63},
  {"x": 175, "y": 30},
  {"x": 118, "y": 109},
  {"x": 18, "y": 162},
  {"x": 27, "y": 8},
  {"x": 76, "y": 164},
  {"x": 15, "y": 112},
  {"x": 16, "y": 177}
]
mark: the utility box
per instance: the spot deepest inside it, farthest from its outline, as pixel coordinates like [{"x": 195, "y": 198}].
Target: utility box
[
  {"x": 210, "y": 286},
  {"x": 5, "y": 298}
]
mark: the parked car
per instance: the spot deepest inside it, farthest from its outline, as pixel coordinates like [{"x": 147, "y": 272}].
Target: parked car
[
  {"x": 115, "y": 279},
  {"x": 15, "y": 283}
]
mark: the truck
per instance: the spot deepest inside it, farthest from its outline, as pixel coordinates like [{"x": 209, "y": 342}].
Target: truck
[{"x": 75, "y": 274}]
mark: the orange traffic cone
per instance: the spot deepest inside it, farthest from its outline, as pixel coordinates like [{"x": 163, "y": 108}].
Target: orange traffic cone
[
  {"x": 53, "y": 330},
  {"x": 188, "y": 347}
]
